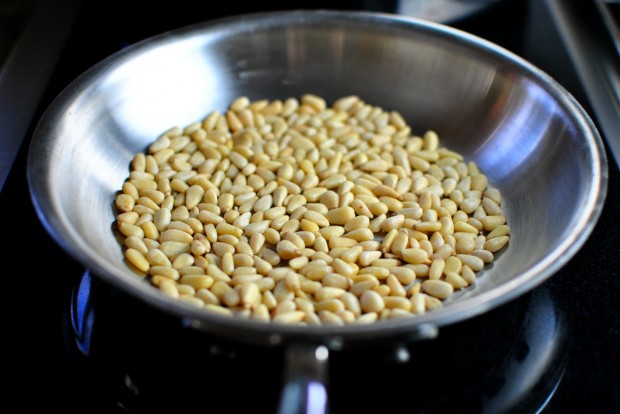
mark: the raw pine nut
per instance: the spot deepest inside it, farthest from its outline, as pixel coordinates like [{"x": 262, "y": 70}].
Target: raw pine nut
[
  {"x": 462, "y": 226},
  {"x": 173, "y": 248},
  {"x": 474, "y": 263},
  {"x": 378, "y": 272},
  {"x": 317, "y": 218},
  {"x": 261, "y": 313},
  {"x": 174, "y": 235},
  {"x": 396, "y": 289},
  {"x": 394, "y": 222},
  {"x": 183, "y": 260},
  {"x": 397, "y": 302},
  {"x": 404, "y": 274},
  {"x": 331, "y": 232},
  {"x": 465, "y": 245},
  {"x": 136, "y": 243},
  {"x": 158, "y": 258},
  {"x": 361, "y": 286},
  {"x": 486, "y": 255},
  {"x": 124, "y": 203},
  {"x": 415, "y": 256},
  {"x": 453, "y": 264},
  {"x": 437, "y": 288},
  {"x": 130, "y": 230},
  {"x": 330, "y": 318},
  {"x": 371, "y": 301},
  {"x": 332, "y": 305},
  {"x": 328, "y": 293},
  {"x": 169, "y": 288},
  {"x": 351, "y": 303},
  {"x": 468, "y": 275},
  {"x": 455, "y": 280},
  {"x": 436, "y": 270},
  {"x": 428, "y": 227},
  {"x": 352, "y": 255},
  {"x": 360, "y": 235},
  {"x": 367, "y": 257},
  {"x": 340, "y": 215},
  {"x": 294, "y": 211},
  {"x": 358, "y": 222},
  {"x": 496, "y": 243},
  {"x": 186, "y": 290},
  {"x": 418, "y": 304},
  {"x": 336, "y": 280},
  {"x": 499, "y": 231},
  {"x": 137, "y": 259},
  {"x": 490, "y": 223},
  {"x": 432, "y": 302},
  {"x": 289, "y": 317},
  {"x": 400, "y": 243},
  {"x": 367, "y": 318},
  {"x": 197, "y": 281}
]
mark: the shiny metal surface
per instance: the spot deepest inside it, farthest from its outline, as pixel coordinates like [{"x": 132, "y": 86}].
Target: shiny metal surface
[
  {"x": 305, "y": 388},
  {"x": 529, "y": 136},
  {"x": 594, "y": 53}
]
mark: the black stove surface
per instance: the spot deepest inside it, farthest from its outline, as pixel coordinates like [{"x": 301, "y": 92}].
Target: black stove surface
[{"x": 73, "y": 348}]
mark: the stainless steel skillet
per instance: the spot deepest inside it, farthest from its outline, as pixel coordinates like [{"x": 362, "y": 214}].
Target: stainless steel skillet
[{"x": 528, "y": 134}]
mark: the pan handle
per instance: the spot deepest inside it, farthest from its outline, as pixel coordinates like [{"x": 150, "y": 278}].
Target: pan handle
[{"x": 305, "y": 378}]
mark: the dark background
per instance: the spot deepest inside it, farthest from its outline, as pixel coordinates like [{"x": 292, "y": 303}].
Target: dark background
[{"x": 48, "y": 368}]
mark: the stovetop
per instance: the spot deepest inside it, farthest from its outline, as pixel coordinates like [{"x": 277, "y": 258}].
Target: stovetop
[{"x": 73, "y": 347}]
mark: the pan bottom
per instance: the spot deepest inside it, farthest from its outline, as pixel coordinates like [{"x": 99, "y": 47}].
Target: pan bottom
[{"x": 132, "y": 359}]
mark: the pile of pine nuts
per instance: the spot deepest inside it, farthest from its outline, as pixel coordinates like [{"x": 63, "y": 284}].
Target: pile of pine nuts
[{"x": 296, "y": 212}]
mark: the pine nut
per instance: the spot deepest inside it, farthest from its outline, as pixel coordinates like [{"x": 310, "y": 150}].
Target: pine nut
[
  {"x": 328, "y": 293},
  {"x": 404, "y": 275},
  {"x": 367, "y": 257},
  {"x": 371, "y": 301},
  {"x": 360, "y": 287},
  {"x": 137, "y": 259},
  {"x": 340, "y": 215},
  {"x": 468, "y": 275},
  {"x": 490, "y": 223},
  {"x": 397, "y": 302},
  {"x": 358, "y": 222},
  {"x": 418, "y": 304},
  {"x": 415, "y": 256},
  {"x": 289, "y": 317},
  {"x": 186, "y": 290},
  {"x": 496, "y": 243},
  {"x": 455, "y": 280},
  {"x": 295, "y": 212},
  {"x": 169, "y": 288},
  {"x": 437, "y": 288},
  {"x": 486, "y": 255},
  {"x": 367, "y": 318},
  {"x": 197, "y": 281},
  {"x": 499, "y": 231}
]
